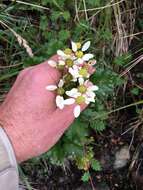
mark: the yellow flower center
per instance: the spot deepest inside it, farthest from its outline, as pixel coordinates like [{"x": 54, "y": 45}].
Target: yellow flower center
[
  {"x": 68, "y": 51},
  {"x": 69, "y": 62},
  {"x": 83, "y": 72},
  {"x": 60, "y": 91},
  {"x": 80, "y": 100},
  {"x": 78, "y": 45},
  {"x": 79, "y": 54},
  {"x": 82, "y": 89}
]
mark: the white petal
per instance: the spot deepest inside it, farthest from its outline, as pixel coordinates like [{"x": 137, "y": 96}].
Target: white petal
[
  {"x": 72, "y": 93},
  {"x": 86, "y": 46},
  {"x": 87, "y": 57},
  {"x": 52, "y": 63},
  {"x": 61, "y": 62},
  {"x": 60, "y": 102},
  {"x": 90, "y": 93},
  {"x": 90, "y": 99},
  {"x": 71, "y": 70},
  {"x": 93, "y": 88},
  {"x": 75, "y": 67},
  {"x": 61, "y": 83},
  {"x": 77, "y": 111},
  {"x": 61, "y": 53},
  {"x": 69, "y": 101},
  {"x": 80, "y": 61},
  {"x": 87, "y": 101},
  {"x": 81, "y": 81},
  {"x": 51, "y": 87},
  {"x": 74, "y": 46}
]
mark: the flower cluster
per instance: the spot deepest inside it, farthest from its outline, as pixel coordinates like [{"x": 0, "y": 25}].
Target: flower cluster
[{"x": 74, "y": 87}]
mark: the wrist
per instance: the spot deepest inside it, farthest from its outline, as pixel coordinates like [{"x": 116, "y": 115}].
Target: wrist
[{"x": 8, "y": 126}]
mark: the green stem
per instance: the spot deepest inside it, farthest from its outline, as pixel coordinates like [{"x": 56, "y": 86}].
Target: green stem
[
  {"x": 30, "y": 4},
  {"x": 118, "y": 109}
]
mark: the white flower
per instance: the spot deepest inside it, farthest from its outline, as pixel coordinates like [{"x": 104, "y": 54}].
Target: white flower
[
  {"x": 83, "y": 94},
  {"x": 81, "y": 57},
  {"x": 85, "y": 46},
  {"x": 74, "y": 71},
  {"x": 78, "y": 72},
  {"x": 53, "y": 63},
  {"x": 73, "y": 93},
  {"x": 75, "y": 65},
  {"x": 65, "y": 56},
  {"x": 60, "y": 102},
  {"x": 54, "y": 87}
]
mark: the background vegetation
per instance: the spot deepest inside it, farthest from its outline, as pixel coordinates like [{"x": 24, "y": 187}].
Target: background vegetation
[{"x": 115, "y": 30}]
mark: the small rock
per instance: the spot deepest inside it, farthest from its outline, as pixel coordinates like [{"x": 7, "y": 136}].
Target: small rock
[{"x": 121, "y": 158}]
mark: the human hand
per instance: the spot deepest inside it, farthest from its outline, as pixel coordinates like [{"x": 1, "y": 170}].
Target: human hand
[{"x": 29, "y": 114}]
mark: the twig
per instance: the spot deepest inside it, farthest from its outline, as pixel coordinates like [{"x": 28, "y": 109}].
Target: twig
[
  {"x": 85, "y": 10},
  {"x": 30, "y": 4},
  {"x": 132, "y": 35},
  {"x": 10, "y": 66},
  {"x": 91, "y": 181},
  {"x": 118, "y": 109},
  {"x": 138, "y": 60},
  {"x": 99, "y": 8}
]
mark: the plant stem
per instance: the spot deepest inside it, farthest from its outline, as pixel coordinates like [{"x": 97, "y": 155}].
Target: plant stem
[
  {"x": 30, "y": 4},
  {"x": 118, "y": 109}
]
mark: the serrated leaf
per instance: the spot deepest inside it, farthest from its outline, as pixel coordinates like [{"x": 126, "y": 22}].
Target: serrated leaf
[
  {"x": 98, "y": 125},
  {"x": 85, "y": 176},
  {"x": 95, "y": 165}
]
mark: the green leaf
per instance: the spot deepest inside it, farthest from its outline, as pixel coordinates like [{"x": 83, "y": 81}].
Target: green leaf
[
  {"x": 64, "y": 35},
  {"x": 135, "y": 91},
  {"x": 95, "y": 165},
  {"x": 66, "y": 15},
  {"x": 55, "y": 15},
  {"x": 98, "y": 125},
  {"x": 86, "y": 176},
  {"x": 78, "y": 130}
]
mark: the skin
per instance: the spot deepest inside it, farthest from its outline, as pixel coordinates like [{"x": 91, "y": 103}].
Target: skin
[{"x": 29, "y": 114}]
